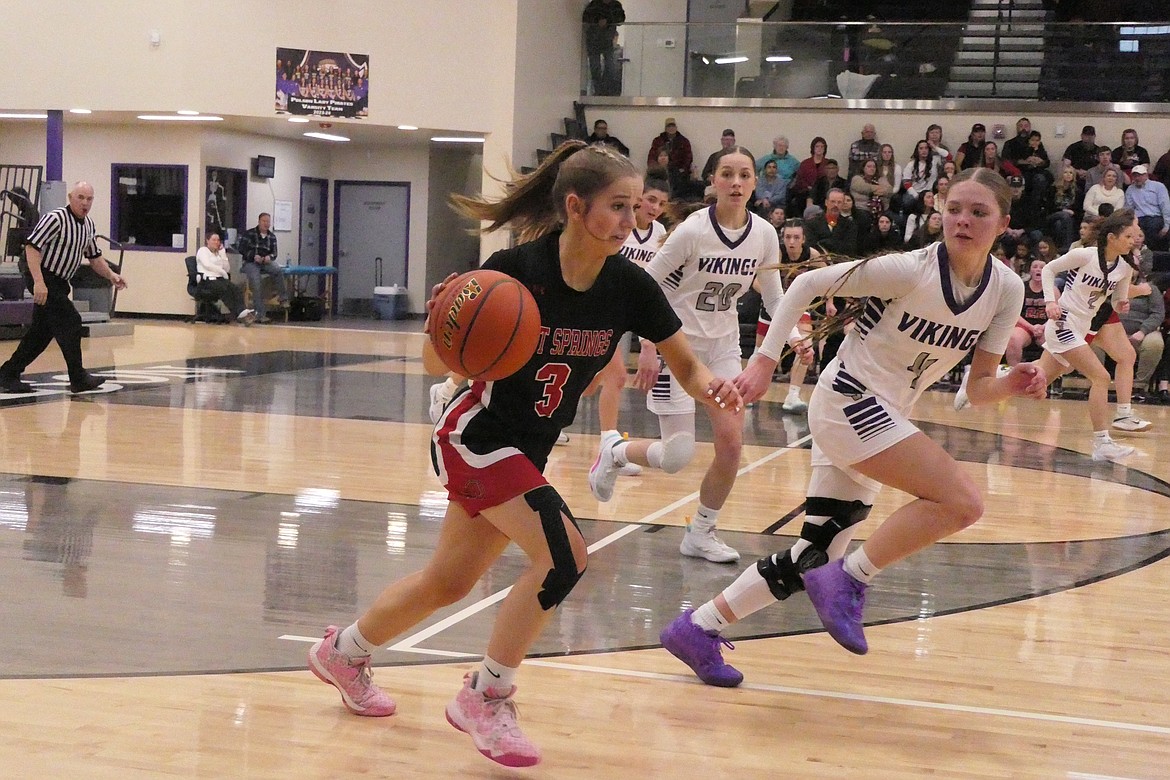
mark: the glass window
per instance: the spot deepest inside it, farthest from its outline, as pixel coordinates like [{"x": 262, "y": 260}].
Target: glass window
[{"x": 149, "y": 206}]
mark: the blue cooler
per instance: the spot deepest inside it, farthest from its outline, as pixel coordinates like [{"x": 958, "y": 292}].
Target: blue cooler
[{"x": 391, "y": 303}]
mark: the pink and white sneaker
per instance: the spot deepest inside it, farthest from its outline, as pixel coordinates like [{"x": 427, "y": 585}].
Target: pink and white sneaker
[
  {"x": 350, "y": 676},
  {"x": 490, "y": 720}
]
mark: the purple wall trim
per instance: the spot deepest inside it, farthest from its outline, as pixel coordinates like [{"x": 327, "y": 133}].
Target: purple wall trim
[{"x": 54, "y": 145}]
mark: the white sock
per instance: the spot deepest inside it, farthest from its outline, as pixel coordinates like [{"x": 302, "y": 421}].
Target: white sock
[
  {"x": 859, "y": 566},
  {"x": 1123, "y": 410},
  {"x": 496, "y": 676},
  {"x": 793, "y": 393},
  {"x": 449, "y": 387},
  {"x": 709, "y": 618},
  {"x": 704, "y": 519},
  {"x": 619, "y": 454},
  {"x": 1100, "y": 437},
  {"x": 350, "y": 642}
]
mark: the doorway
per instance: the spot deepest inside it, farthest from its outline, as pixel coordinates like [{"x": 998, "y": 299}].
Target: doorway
[{"x": 371, "y": 230}]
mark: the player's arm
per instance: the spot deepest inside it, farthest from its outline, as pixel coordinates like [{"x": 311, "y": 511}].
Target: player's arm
[
  {"x": 696, "y": 378},
  {"x": 1065, "y": 262}
]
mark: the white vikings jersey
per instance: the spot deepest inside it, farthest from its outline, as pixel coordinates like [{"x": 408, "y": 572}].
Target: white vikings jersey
[
  {"x": 1085, "y": 287},
  {"x": 640, "y": 247},
  {"x": 705, "y": 268},
  {"x": 915, "y": 327}
]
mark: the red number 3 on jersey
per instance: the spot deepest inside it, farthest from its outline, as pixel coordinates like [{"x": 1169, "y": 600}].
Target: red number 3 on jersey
[{"x": 554, "y": 376}]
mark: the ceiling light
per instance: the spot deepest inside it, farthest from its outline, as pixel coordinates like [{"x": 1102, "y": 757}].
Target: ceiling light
[
  {"x": 456, "y": 140},
  {"x": 779, "y": 58},
  {"x": 80, "y": 111},
  {"x": 326, "y": 136},
  {"x": 407, "y": 127},
  {"x": 299, "y": 120},
  {"x": 187, "y": 112},
  {"x": 24, "y": 116},
  {"x": 177, "y": 118},
  {"x": 730, "y": 60}
]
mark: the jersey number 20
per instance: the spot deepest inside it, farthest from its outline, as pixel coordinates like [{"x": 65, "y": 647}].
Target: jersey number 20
[{"x": 717, "y": 296}]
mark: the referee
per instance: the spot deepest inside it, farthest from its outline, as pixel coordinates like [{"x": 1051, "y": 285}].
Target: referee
[{"x": 54, "y": 251}]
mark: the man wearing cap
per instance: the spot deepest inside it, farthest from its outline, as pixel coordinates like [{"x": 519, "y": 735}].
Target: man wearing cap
[
  {"x": 970, "y": 154},
  {"x": 1082, "y": 154},
  {"x": 726, "y": 141},
  {"x": 864, "y": 148},
  {"x": 1151, "y": 203},
  {"x": 678, "y": 148}
]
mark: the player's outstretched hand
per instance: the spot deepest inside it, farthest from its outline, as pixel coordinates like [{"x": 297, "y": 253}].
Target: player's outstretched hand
[
  {"x": 754, "y": 380},
  {"x": 649, "y": 367},
  {"x": 436, "y": 292},
  {"x": 721, "y": 393},
  {"x": 1027, "y": 380}
]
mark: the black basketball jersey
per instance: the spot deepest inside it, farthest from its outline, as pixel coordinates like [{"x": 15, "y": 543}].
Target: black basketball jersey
[
  {"x": 1034, "y": 309},
  {"x": 578, "y": 336}
]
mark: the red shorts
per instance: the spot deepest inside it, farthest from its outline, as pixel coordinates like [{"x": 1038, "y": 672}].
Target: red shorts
[
  {"x": 1113, "y": 318},
  {"x": 487, "y": 477}
]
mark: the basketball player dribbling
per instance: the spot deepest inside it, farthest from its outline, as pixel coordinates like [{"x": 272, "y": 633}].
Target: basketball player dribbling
[
  {"x": 926, "y": 309},
  {"x": 493, "y": 440}
]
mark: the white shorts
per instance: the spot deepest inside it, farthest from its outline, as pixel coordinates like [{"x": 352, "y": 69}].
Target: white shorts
[
  {"x": 848, "y": 430},
  {"x": 1063, "y": 335},
  {"x": 721, "y": 357}
]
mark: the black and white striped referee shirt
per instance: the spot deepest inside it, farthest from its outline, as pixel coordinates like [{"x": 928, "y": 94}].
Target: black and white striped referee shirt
[{"x": 63, "y": 240}]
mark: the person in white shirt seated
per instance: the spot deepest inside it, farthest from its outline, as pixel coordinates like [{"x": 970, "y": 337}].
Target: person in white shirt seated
[{"x": 213, "y": 273}]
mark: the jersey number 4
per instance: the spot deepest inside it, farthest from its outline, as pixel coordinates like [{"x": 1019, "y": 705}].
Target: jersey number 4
[
  {"x": 717, "y": 296},
  {"x": 554, "y": 376}
]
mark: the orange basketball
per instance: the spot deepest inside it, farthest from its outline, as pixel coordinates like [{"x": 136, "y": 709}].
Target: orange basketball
[{"x": 485, "y": 326}]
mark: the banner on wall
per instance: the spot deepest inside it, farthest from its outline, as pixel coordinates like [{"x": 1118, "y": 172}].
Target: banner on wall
[{"x": 322, "y": 83}]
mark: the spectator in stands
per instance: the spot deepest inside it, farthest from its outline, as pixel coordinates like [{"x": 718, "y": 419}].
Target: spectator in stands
[
  {"x": 1151, "y": 203},
  {"x": 777, "y": 217},
  {"x": 934, "y": 138},
  {"x": 829, "y": 179},
  {"x": 941, "y": 188},
  {"x": 924, "y": 207},
  {"x": 600, "y": 135},
  {"x": 949, "y": 169},
  {"x": 1034, "y": 167},
  {"x": 1047, "y": 249},
  {"x": 869, "y": 190},
  {"x": 888, "y": 168},
  {"x": 864, "y": 148},
  {"x": 1161, "y": 171},
  {"x": 726, "y": 141},
  {"x": 806, "y": 175},
  {"x": 1129, "y": 154},
  {"x": 971, "y": 153},
  {"x": 930, "y": 232},
  {"x": 918, "y": 176},
  {"x": 1107, "y": 191},
  {"x": 601, "y": 18},
  {"x": 786, "y": 164},
  {"x": 1082, "y": 154},
  {"x": 861, "y": 216},
  {"x": 1062, "y": 209},
  {"x": 1024, "y": 226},
  {"x": 992, "y": 160},
  {"x": 1022, "y": 259},
  {"x": 885, "y": 236},
  {"x": 1029, "y": 328},
  {"x": 1015, "y": 149},
  {"x": 680, "y": 159},
  {"x": 1104, "y": 163},
  {"x": 832, "y": 232},
  {"x": 771, "y": 191},
  {"x": 213, "y": 273}
]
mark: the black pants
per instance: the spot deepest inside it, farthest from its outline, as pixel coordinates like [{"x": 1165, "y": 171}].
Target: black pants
[
  {"x": 56, "y": 319},
  {"x": 225, "y": 291}
]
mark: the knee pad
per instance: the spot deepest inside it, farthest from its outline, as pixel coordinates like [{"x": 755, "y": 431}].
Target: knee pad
[
  {"x": 841, "y": 516},
  {"x": 784, "y": 576},
  {"x": 673, "y": 454},
  {"x": 563, "y": 576}
]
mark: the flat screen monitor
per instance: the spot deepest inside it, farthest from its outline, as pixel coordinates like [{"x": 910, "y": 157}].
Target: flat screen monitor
[{"x": 264, "y": 166}]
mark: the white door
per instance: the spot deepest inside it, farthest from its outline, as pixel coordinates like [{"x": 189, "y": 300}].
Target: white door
[{"x": 373, "y": 221}]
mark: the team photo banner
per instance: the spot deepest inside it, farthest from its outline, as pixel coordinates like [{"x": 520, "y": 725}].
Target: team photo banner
[{"x": 322, "y": 83}]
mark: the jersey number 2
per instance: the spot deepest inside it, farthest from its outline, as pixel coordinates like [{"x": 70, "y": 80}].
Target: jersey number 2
[
  {"x": 554, "y": 376},
  {"x": 717, "y": 296}
]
